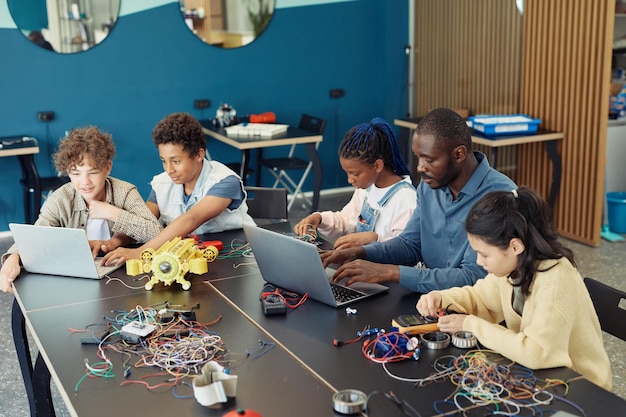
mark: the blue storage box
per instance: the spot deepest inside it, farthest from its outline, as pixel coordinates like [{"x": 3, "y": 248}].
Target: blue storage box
[{"x": 505, "y": 124}]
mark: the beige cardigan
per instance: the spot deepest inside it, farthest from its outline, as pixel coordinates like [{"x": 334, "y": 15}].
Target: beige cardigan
[{"x": 559, "y": 325}]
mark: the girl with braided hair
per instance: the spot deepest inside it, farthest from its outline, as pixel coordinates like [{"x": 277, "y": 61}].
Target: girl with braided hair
[
  {"x": 533, "y": 286},
  {"x": 384, "y": 197}
]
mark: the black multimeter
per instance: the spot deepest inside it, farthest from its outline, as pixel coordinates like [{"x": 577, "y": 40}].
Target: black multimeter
[{"x": 415, "y": 324}]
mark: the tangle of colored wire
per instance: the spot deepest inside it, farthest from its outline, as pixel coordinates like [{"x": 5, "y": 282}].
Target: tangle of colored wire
[
  {"x": 387, "y": 347},
  {"x": 179, "y": 347},
  {"x": 482, "y": 380},
  {"x": 236, "y": 249}
]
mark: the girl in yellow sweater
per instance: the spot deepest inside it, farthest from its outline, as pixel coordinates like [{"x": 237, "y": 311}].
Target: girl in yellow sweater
[{"x": 532, "y": 285}]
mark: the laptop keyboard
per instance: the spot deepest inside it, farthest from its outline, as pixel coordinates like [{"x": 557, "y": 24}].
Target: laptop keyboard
[
  {"x": 345, "y": 294},
  {"x": 103, "y": 270}
]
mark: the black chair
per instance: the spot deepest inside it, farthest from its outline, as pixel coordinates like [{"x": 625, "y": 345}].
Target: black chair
[
  {"x": 236, "y": 166},
  {"x": 267, "y": 203},
  {"x": 34, "y": 186},
  {"x": 606, "y": 301},
  {"x": 279, "y": 167}
]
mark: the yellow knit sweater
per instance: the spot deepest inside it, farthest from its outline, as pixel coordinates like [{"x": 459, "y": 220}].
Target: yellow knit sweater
[{"x": 559, "y": 325}]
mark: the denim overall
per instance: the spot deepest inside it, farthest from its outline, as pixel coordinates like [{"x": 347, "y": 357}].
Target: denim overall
[{"x": 369, "y": 215}]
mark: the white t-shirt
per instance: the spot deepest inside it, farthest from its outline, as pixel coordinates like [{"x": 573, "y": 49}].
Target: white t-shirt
[
  {"x": 392, "y": 219},
  {"x": 98, "y": 229}
]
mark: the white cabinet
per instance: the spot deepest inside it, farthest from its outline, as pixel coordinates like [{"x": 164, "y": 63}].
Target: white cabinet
[
  {"x": 616, "y": 135},
  {"x": 616, "y": 157}
]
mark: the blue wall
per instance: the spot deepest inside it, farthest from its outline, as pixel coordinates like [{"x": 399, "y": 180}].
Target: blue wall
[
  {"x": 152, "y": 65},
  {"x": 31, "y": 13}
]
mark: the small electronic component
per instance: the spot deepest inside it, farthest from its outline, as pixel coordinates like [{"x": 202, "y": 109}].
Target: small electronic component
[
  {"x": 134, "y": 331},
  {"x": 169, "y": 314},
  {"x": 93, "y": 340},
  {"x": 273, "y": 304}
]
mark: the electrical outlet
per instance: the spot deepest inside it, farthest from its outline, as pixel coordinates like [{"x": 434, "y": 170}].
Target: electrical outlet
[
  {"x": 202, "y": 103},
  {"x": 45, "y": 116},
  {"x": 337, "y": 92}
]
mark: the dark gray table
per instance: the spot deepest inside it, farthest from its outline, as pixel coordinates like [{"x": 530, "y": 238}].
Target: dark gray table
[{"x": 298, "y": 377}]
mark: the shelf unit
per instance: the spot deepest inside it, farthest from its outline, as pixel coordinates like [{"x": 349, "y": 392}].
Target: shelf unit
[
  {"x": 77, "y": 25},
  {"x": 72, "y": 24},
  {"x": 208, "y": 23}
]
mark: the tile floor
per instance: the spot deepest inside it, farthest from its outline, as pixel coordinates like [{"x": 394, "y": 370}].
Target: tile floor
[{"x": 606, "y": 263}]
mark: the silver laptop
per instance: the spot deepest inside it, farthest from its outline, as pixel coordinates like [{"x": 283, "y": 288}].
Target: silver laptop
[
  {"x": 57, "y": 251},
  {"x": 295, "y": 265}
]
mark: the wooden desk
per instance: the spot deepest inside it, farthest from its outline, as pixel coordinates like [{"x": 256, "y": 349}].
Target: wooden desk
[
  {"x": 301, "y": 373},
  {"x": 549, "y": 137},
  {"x": 31, "y": 150},
  {"x": 293, "y": 136}
]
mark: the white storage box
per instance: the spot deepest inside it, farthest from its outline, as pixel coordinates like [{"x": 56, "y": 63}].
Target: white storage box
[{"x": 260, "y": 130}]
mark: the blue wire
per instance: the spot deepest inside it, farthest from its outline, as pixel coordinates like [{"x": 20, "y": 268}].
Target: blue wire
[
  {"x": 182, "y": 397},
  {"x": 263, "y": 348}
]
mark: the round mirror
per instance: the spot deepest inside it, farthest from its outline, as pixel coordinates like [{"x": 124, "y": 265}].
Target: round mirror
[
  {"x": 65, "y": 26},
  {"x": 227, "y": 23}
]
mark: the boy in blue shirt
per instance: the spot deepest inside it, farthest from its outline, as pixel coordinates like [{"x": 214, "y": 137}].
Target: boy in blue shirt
[{"x": 193, "y": 195}]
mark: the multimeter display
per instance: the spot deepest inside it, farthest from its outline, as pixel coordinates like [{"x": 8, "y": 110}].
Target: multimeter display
[{"x": 409, "y": 320}]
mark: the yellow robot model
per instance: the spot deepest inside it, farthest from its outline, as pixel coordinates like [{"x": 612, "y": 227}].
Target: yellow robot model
[{"x": 172, "y": 261}]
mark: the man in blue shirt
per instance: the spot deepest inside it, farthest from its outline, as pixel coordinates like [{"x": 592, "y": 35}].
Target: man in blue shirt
[{"x": 453, "y": 178}]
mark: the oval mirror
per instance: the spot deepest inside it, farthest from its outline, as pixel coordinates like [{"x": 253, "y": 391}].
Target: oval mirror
[
  {"x": 65, "y": 26},
  {"x": 227, "y": 23}
]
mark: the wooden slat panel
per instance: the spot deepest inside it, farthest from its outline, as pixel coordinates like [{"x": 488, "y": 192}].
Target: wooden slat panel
[
  {"x": 468, "y": 55},
  {"x": 565, "y": 81},
  {"x": 471, "y": 54}
]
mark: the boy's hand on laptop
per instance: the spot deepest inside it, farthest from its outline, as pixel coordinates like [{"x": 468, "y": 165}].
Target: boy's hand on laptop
[
  {"x": 365, "y": 271},
  {"x": 96, "y": 246},
  {"x": 10, "y": 270},
  {"x": 120, "y": 255},
  {"x": 106, "y": 246}
]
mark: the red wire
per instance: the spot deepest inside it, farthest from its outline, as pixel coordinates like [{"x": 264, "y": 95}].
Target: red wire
[
  {"x": 345, "y": 342},
  {"x": 291, "y": 299},
  {"x": 395, "y": 352}
]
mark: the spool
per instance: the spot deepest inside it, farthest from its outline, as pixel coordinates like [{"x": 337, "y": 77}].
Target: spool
[
  {"x": 463, "y": 340},
  {"x": 349, "y": 401},
  {"x": 436, "y": 340}
]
